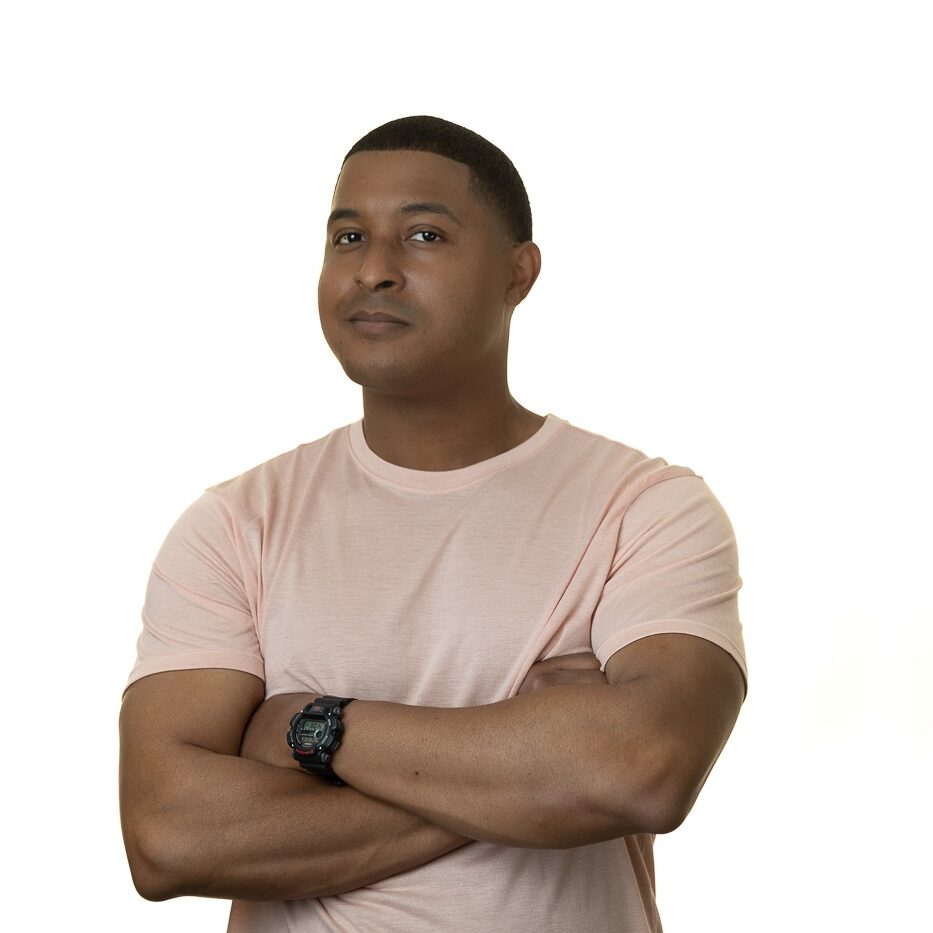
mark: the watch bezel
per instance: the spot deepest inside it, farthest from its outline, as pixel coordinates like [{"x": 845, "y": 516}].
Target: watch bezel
[
  {"x": 316, "y": 759},
  {"x": 324, "y": 744}
]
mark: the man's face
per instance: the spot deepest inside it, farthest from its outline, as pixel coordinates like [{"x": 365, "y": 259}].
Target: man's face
[{"x": 446, "y": 275}]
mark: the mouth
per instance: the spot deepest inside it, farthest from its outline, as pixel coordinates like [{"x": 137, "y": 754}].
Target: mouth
[
  {"x": 377, "y": 327},
  {"x": 377, "y": 316},
  {"x": 376, "y": 323}
]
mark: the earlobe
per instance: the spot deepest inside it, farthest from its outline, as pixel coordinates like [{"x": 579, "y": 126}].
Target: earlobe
[{"x": 526, "y": 265}]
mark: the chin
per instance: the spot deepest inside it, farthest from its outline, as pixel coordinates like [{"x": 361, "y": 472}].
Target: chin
[{"x": 390, "y": 380}]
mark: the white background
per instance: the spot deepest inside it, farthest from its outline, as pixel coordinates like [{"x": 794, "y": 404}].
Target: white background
[{"x": 733, "y": 203}]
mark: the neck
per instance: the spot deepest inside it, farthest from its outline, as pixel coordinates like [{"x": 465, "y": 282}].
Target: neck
[{"x": 423, "y": 435}]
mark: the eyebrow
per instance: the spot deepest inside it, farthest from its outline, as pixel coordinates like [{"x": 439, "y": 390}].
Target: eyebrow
[{"x": 418, "y": 207}]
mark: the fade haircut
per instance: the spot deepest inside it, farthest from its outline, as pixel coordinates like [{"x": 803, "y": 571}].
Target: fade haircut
[{"x": 494, "y": 180}]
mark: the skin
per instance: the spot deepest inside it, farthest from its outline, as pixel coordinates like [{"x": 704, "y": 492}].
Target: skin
[
  {"x": 208, "y": 789},
  {"x": 209, "y": 811},
  {"x": 435, "y": 393},
  {"x": 646, "y": 736}
]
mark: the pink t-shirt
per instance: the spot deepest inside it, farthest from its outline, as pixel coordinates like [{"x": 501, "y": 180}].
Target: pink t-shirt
[{"x": 330, "y": 569}]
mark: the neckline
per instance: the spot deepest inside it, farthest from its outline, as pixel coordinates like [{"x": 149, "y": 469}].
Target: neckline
[{"x": 445, "y": 480}]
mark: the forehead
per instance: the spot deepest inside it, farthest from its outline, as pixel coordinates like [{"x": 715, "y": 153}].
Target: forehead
[{"x": 375, "y": 182}]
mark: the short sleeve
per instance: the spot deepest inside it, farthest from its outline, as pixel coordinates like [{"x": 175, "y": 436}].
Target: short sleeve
[
  {"x": 197, "y": 612},
  {"x": 675, "y": 570}
]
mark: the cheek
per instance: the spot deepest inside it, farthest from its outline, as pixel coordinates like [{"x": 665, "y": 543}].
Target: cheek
[{"x": 325, "y": 287}]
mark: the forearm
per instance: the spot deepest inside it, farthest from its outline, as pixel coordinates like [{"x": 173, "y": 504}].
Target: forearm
[
  {"x": 532, "y": 771},
  {"x": 235, "y": 828}
]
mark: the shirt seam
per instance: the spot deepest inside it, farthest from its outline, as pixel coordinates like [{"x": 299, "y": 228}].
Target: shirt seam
[{"x": 447, "y": 489}]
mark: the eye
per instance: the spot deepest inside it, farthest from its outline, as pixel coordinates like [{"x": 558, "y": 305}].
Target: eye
[
  {"x": 429, "y": 233},
  {"x": 338, "y": 241}
]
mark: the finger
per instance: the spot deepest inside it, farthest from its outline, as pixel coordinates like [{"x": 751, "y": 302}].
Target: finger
[
  {"x": 579, "y": 661},
  {"x": 574, "y": 677},
  {"x": 540, "y": 681},
  {"x": 583, "y": 660}
]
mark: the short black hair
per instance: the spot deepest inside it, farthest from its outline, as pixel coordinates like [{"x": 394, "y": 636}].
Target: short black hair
[{"x": 493, "y": 177}]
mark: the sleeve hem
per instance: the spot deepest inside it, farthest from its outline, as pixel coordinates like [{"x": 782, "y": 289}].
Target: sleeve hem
[
  {"x": 670, "y": 627},
  {"x": 196, "y": 661}
]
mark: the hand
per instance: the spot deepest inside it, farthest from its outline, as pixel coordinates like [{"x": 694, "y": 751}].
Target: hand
[
  {"x": 581, "y": 668},
  {"x": 264, "y": 738}
]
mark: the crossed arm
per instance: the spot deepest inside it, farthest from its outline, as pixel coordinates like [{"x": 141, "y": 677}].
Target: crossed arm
[{"x": 577, "y": 757}]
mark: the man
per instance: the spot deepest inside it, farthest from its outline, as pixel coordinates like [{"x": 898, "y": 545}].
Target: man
[{"x": 530, "y": 630}]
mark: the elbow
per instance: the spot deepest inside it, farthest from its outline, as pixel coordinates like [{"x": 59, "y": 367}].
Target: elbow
[
  {"x": 651, "y": 797},
  {"x": 150, "y": 885},
  {"x": 150, "y": 881},
  {"x": 664, "y": 814},
  {"x": 667, "y": 797},
  {"x": 156, "y": 863},
  {"x": 654, "y": 814}
]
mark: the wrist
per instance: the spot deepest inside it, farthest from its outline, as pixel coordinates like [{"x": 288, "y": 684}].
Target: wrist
[
  {"x": 262, "y": 739},
  {"x": 353, "y": 716},
  {"x": 315, "y": 734}
]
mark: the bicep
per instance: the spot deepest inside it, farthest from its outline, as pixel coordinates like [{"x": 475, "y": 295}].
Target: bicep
[
  {"x": 164, "y": 715},
  {"x": 174, "y": 726},
  {"x": 206, "y": 707},
  {"x": 689, "y": 692}
]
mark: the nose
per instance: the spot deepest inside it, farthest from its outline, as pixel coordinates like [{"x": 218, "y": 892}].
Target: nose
[{"x": 379, "y": 267}]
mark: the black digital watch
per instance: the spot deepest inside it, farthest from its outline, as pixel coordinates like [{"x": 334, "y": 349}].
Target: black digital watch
[{"x": 314, "y": 735}]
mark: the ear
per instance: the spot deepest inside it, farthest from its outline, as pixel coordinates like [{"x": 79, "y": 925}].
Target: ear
[{"x": 525, "y": 266}]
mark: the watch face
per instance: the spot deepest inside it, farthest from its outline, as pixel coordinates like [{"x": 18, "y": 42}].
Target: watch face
[{"x": 310, "y": 733}]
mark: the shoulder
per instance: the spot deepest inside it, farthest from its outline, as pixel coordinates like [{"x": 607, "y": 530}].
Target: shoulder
[
  {"x": 256, "y": 490},
  {"x": 624, "y": 469}
]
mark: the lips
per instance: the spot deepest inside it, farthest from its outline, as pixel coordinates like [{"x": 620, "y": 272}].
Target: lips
[{"x": 376, "y": 316}]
